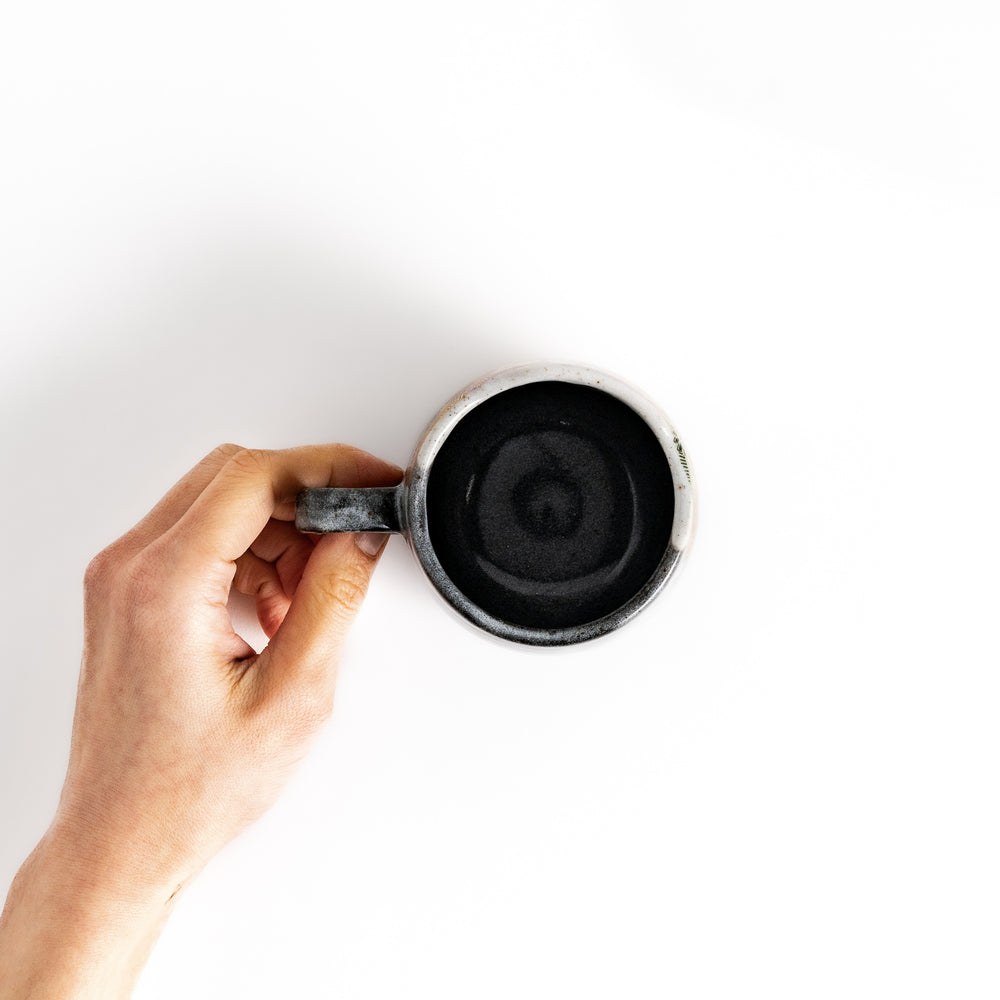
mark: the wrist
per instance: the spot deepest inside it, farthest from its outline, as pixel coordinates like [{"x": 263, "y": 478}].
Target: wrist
[
  {"x": 123, "y": 870},
  {"x": 72, "y": 928}
]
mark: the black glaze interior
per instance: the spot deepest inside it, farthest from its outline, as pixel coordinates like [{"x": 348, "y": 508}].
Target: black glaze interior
[{"x": 550, "y": 504}]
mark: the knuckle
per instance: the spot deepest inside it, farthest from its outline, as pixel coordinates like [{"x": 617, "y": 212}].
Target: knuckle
[
  {"x": 105, "y": 570},
  {"x": 224, "y": 452},
  {"x": 249, "y": 461},
  {"x": 100, "y": 572},
  {"x": 345, "y": 592},
  {"x": 141, "y": 581}
]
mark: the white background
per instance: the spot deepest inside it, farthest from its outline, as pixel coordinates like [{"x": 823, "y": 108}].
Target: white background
[{"x": 299, "y": 222}]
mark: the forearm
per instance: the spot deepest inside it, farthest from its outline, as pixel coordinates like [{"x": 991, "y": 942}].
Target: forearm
[{"x": 67, "y": 932}]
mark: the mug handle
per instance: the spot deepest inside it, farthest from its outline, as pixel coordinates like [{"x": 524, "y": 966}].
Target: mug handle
[{"x": 375, "y": 508}]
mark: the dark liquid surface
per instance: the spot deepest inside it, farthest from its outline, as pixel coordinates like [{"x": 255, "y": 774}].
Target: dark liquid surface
[{"x": 550, "y": 505}]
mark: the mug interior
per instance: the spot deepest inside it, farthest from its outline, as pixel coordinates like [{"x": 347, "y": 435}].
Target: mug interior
[{"x": 550, "y": 505}]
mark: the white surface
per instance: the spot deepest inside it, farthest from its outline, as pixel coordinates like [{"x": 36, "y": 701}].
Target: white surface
[{"x": 282, "y": 224}]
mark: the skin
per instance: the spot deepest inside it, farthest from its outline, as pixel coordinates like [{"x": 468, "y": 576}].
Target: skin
[{"x": 183, "y": 735}]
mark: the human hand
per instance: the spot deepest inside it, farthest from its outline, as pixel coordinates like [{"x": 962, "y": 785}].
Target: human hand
[{"x": 183, "y": 735}]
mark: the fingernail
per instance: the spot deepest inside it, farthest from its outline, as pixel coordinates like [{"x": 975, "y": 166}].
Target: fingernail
[{"x": 371, "y": 542}]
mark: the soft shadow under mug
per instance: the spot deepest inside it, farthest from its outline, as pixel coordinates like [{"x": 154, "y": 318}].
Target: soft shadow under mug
[{"x": 547, "y": 504}]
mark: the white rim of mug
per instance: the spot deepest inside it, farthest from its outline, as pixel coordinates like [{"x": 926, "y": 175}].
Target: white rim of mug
[{"x": 414, "y": 513}]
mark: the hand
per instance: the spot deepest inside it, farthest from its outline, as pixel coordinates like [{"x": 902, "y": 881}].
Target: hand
[{"x": 183, "y": 735}]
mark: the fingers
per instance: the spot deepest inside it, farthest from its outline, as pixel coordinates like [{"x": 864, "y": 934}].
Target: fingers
[
  {"x": 280, "y": 543},
  {"x": 254, "y": 486},
  {"x": 259, "y": 579},
  {"x": 271, "y": 569},
  {"x": 300, "y": 661}
]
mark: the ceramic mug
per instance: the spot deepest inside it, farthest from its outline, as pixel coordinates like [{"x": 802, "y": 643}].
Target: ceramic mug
[{"x": 548, "y": 504}]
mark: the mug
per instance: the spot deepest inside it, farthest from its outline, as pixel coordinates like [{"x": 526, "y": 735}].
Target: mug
[{"x": 548, "y": 504}]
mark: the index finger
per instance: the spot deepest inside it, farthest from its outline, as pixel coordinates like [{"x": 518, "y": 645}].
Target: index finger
[{"x": 254, "y": 485}]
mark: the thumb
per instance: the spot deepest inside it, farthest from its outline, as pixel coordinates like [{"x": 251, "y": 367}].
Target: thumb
[{"x": 301, "y": 659}]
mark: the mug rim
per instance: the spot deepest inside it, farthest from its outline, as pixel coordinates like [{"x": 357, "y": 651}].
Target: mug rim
[{"x": 414, "y": 508}]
